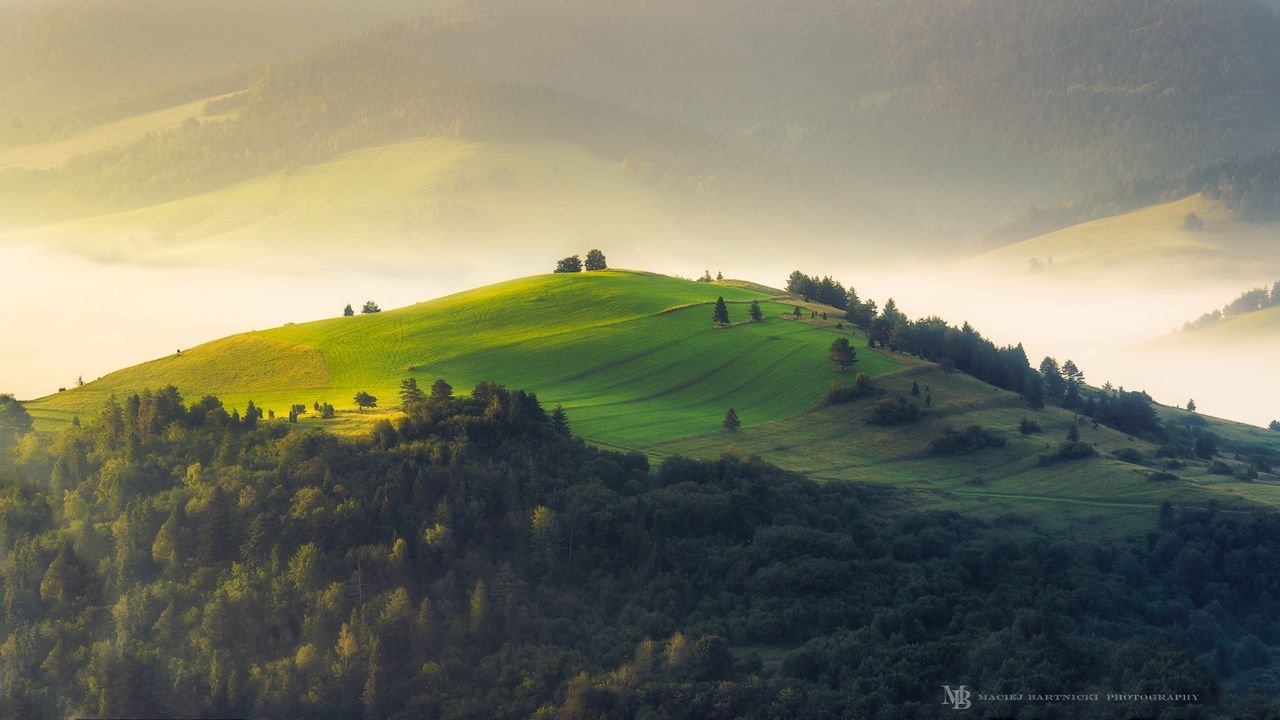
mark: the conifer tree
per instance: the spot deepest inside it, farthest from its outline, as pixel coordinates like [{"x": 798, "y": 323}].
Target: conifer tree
[
  {"x": 731, "y": 421},
  {"x": 722, "y": 312},
  {"x": 756, "y": 314},
  {"x": 410, "y": 394},
  {"x": 560, "y": 421},
  {"x": 842, "y": 354},
  {"x": 441, "y": 390}
]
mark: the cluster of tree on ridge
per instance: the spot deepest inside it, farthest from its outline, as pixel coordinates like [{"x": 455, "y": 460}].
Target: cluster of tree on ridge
[
  {"x": 1249, "y": 301},
  {"x": 964, "y": 349},
  {"x": 572, "y": 264},
  {"x": 474, "y": 560}
]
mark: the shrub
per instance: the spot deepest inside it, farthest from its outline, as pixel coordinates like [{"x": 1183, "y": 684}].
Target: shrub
[
  {"x": 890, "y": 411},
  {"x": 1159, "y": 476},
  {"x": 967, "y": 441},
  {"x": 1129, "y": 455},
  {"x": 1220, "y": 468},
  {"x": 1029, "y": 427},
  {"x": 1069, "y": 450},
  {"x": 841, "y": 394}
]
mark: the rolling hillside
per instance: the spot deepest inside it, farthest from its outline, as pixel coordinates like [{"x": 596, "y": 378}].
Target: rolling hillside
[
  {"x": 388, "y": 207},
  {"x": 51, "y": 153},
  {"x": 636, "y": 362},
  {"x": 633, "y": 357},
  {"x": 1150, "y": 246}
]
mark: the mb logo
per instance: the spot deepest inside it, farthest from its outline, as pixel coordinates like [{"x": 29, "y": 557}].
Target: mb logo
[{"x": 958, "y": 699}]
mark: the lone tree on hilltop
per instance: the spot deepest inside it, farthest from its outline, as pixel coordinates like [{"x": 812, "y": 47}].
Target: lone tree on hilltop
[
  {"x": 560, "y": 421},
  {"x": 1191, "y": 405},
  {"x": 369, "y": 308},
  {"x": 731, "y": 421},
  {"x": 722, "y": 312},
  {"x": 365, "y": 400},
  {"x": 410, "y": 393},
  {"x": 756, "y": 314},
  {"x": 596, "y": 261},
  {"x": 842, "y": 354},
  {"x": 570, "y": 264},
  {"x": 706, "y": 276},
  {"x": 348, "y": 311}
]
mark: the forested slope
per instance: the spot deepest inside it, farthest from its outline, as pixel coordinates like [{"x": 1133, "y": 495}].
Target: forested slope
[{"x": 475, "y": 562}]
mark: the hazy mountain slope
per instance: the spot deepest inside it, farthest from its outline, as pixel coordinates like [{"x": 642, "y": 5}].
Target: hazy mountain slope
[
  {"x": 51, "y": 153},
  {"x": 61, "y": 54},
  {"x": 1150, "y": 246},
  {"x": 937, "y": 111},
  {"x": 1095, "y": 89},
  {"x": 420, "y": 203}
]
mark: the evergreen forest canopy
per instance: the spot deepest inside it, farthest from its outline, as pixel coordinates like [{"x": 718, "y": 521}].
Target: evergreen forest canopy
[{"x": 474, "y": 560}]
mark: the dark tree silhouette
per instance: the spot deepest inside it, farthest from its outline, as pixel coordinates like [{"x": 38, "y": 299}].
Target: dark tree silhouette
[
  {"x": 756, "y": 313},
  {"x": 571, "y": 264},
  {"x": 721, "y": 312},
  {"x": 369, "y": 308},
  {"x": 731, "y": 421},
  {"x": 410, "y": 393},
  {"x": 842, "y": 354},
  {"x": 348, "y": 311},
  {"x": 441, "y": 390},
  {"x": 365, "y": 400},
  {"x": 595, "y": 261},
  {"x": 560, "y": 421}
]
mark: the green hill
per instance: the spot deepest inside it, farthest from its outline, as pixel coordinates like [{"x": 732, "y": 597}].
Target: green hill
[
  {"x": 636, "y": 362},
  {"x": 633, "y": 357}
]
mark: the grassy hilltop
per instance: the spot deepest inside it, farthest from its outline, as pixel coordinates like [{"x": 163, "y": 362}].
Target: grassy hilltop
[
  {"x": 633, "y": 357},
  {"x": 637, "y": 363}
]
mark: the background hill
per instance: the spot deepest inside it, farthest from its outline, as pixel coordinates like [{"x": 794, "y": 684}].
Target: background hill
[
  {"x": 58, "y": 55},
  {"x": 934, "y": 112}
]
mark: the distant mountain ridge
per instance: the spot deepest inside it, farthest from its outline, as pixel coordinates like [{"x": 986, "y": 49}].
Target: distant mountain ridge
[{"x": 945, "y": 113}]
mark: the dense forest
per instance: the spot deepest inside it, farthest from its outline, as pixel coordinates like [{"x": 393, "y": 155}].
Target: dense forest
[{"x": 474, "y": 560}]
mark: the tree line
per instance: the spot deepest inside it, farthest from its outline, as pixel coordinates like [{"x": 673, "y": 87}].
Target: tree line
[{"x": 1259, "y": 298}]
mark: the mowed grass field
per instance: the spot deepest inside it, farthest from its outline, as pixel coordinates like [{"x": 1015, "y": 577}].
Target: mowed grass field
[
  {"x": 414, "y": 202},
  {"x": 1100, "y": 496},
  {"x": 633, "y": 357}
]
